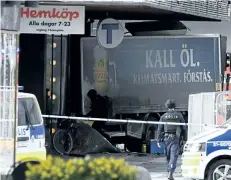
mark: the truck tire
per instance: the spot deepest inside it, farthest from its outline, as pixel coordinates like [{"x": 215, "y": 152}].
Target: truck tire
[
  {"x": 150, "y": 134},
  {"x": 217, "y": 168},
  {"x": 149, "y": 130}
]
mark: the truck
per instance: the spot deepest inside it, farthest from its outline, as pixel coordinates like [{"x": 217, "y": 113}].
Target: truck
[{"x": 143, "y": 72}]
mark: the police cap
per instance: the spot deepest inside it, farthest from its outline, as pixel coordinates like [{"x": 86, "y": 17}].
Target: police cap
[{"x": 170, "y": 104}]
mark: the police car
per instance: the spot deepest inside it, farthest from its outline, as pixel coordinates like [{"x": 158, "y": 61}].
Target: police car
[
  {"x": 31, "y": 131},
  {"x": 208, "y": 155},
  {"x": 30, "y": 143}
]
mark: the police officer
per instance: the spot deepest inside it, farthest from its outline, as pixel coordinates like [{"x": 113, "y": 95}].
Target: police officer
[
  {"x": 98, "y": 109},
  {"x": 170, "y": 134}
]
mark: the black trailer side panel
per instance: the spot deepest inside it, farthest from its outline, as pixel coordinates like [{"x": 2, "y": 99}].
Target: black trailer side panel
[{"x": 143, "y": 72}]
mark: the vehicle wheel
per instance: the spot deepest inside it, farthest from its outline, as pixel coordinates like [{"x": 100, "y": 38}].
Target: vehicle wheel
[
  {"x": 134, "y": 145},
  {"x": 150, "y": 134},
  {"x": 63, "y": 141},
  {"x": 19, "y": 171},
  {"x": 219, "y": 170}
]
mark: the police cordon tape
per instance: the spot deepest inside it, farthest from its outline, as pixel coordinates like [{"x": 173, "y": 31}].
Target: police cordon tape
[{"x": 121, "y": 120}]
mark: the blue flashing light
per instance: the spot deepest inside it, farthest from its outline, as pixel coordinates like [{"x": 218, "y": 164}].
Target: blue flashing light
[{"x": 20, "y": 88}]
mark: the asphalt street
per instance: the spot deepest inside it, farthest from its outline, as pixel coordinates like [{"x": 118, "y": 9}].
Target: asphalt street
[{"x": 155, "y": 164}]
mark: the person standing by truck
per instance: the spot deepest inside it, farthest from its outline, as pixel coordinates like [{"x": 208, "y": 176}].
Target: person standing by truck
[
  {"x": 99, "y": 109},
  {"x": 170, "y": 134}
]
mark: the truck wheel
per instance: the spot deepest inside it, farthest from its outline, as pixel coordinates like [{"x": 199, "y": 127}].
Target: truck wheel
[
  {"x": 150, "y": 134},
  {"x": 149, "y": 131},
  {"x": 220, "y": 169}
]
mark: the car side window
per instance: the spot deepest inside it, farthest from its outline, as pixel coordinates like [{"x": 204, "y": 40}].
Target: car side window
[
  {"x": 33, "y": 111},
  {"x": 22, "y": 121}
]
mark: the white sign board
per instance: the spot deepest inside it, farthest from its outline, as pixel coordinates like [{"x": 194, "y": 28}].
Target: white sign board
[
  {"x": 53, "y": 20},
  {"x": 110, "y": 33}
]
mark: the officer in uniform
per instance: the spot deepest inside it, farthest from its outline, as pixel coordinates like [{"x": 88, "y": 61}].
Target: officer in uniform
[
  {"x": 98, "y": 109},
  {"x": 170, "y": 134}
]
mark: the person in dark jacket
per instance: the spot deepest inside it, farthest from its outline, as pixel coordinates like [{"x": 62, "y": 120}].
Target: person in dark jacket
[
  {"x": 98, "y": 109},
  {"x": 170, "y": 134}
]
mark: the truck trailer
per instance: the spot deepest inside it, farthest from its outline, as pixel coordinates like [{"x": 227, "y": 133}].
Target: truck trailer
[{"x": 144, "y": 71}]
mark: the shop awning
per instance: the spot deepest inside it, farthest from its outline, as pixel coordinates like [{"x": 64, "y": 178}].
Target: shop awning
[{"x": 191, "y": 10}]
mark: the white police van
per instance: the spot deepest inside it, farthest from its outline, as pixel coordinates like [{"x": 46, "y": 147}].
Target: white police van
[
  {"x": 30, "y": 142},
  {"x": 31, "y": 130},
  {"x": 208, "y": 155}
]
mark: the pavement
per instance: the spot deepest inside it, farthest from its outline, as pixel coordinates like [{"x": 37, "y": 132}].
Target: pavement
[
  {"x": 155, "y": 164},
  {"x": 162, "y": 176}
]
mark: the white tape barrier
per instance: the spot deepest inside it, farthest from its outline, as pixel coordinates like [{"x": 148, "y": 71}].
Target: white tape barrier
[{"x": 120, "y": 120}]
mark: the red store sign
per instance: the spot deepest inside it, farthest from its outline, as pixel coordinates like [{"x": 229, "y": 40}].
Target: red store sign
[{"x": 53, "y": 20}]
